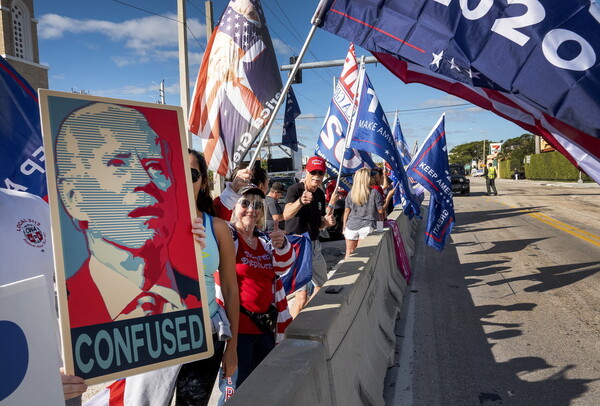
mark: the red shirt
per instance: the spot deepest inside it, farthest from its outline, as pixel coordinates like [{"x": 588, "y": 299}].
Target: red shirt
[{"x": 255, "y": 276}]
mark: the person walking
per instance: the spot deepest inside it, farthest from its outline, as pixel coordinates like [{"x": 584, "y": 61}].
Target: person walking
[{"x": 490, "y": 179}]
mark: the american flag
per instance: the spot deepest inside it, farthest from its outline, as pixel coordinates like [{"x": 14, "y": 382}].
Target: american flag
[{"x": 237, "y": 88}]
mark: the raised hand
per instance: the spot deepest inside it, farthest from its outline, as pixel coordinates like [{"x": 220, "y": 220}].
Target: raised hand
[
  {"x": 306, "y": 197},
  {"x": 242, "y": 178},
  {"x": 277, "y": 235}
]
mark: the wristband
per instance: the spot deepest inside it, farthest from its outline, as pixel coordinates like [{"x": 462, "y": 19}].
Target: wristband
[
  {"x": 331, "y": 205},
  {"x": 300, "y": 200}
]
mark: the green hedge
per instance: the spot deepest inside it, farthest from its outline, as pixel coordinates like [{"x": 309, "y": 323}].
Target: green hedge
[
  {"x": 507, "y": 168},
  {"x": 552, "y": 166}
]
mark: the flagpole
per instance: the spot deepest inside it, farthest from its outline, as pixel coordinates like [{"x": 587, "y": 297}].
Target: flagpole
[
  {"x": 286, "y": 88},
  {"x": 352, "y": 120}
]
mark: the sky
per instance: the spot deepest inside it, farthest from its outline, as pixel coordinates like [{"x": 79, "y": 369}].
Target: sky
[{"x": 124, "y": 48}]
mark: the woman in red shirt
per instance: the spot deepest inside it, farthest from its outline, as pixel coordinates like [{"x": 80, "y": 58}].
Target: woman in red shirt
[{"x": 260, "y": 259}]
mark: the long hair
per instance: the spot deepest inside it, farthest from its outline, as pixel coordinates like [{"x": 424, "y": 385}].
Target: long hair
[
  {"x": 361, "y": 186},
  {"x": 260, "y": 219},
  {"x": 204, "y": 202}
]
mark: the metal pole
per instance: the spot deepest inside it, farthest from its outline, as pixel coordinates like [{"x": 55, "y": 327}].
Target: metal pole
[
  {"x": 210, "y": 25},
  {"x": 184, "y": 82},
  {"x": 351, "y": 123},
  {"x": 282, "y": 97},
  {"x": 326, "y": 64}
]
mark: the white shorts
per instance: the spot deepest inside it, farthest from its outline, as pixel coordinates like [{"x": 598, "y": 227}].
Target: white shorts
[{"x": 361, "y": 233}]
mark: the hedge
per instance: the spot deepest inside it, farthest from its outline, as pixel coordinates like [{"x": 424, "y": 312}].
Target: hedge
[
  {"x": 552, "y": 166},
  {"x": 507, "y": 168}
]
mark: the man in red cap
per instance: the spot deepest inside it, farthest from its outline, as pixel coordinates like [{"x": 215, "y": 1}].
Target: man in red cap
[{"x": 306, "y": 211}]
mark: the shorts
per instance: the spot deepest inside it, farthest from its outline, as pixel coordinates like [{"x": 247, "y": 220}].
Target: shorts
[
  {"x": 361, "y": 233},
  {"x": 319, "y": 266}
]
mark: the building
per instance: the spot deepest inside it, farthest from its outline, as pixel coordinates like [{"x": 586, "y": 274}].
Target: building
[{"x": 19, "y": 41}]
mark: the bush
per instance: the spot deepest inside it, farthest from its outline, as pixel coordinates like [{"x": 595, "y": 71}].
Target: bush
[{"x": 552, "y": 166}]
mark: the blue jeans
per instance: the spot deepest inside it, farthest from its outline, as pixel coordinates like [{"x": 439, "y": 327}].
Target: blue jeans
[{"x": 251, "y": 350}]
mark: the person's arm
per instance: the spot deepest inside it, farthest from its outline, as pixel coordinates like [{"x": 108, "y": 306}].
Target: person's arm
[
  {"x": 388, "y": 200},
  {"x": 347, "y": 211},
  {"x": 283, "y": 254},
  {"x": 294, "y": 202},
  {"x": 231, "y": 295},
  {"x": 271, "y": 203}
]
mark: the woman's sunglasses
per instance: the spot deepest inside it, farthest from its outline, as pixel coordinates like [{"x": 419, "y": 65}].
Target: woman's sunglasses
[
  {"x": 195, "y": 175},
  {"x": 246, "y": 204}
]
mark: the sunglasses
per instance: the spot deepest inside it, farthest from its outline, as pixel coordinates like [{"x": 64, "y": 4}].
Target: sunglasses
[
  {"x": 195, "y": 175},
  {"x": 319, "y": 173},
  {"x": 246, "y": 204}
]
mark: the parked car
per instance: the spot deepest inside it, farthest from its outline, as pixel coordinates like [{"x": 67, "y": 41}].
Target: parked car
[
  {"x": 460, "y": 183},
  {"x": 477, "y": 172}
]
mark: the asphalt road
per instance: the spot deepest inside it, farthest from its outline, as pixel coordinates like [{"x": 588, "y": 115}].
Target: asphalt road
[{"x": 509, "y": 312}]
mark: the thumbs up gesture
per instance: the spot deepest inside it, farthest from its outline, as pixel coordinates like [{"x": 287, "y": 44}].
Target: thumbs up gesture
[{"x": 277, "y": 235}]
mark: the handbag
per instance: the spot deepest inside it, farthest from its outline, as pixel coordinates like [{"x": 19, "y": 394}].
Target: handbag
[{"x": 266, "y": 322}]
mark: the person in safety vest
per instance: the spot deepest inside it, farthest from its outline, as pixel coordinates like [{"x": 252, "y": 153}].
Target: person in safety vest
[{"x": 490, "y": 179}]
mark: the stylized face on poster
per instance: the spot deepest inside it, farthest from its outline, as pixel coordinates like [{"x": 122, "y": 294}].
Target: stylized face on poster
[{"x": 119, "y": 192}]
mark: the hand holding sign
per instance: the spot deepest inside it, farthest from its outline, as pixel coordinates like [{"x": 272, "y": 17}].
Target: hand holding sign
[{"x": 199, "y": 232}]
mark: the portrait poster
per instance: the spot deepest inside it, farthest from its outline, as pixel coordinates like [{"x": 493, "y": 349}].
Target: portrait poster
[
  {"x": 29, "y": 356},
  {"x": 129, "y": 277}
]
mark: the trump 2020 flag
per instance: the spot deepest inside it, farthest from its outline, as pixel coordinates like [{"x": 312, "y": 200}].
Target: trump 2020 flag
[
  {"x": 292, "y": 110},
  {"x": 21, "y": 150},
  {"x": 372, "y": 133},
  {"x": 430, "y": 168},
  {"x": 331, "y": 145},
  {"x": 237, "y": 88},
  {"x": 533, "y": 62}
]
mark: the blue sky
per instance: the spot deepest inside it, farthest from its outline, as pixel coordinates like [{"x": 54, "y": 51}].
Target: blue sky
[{"x": 124, "y": 48}]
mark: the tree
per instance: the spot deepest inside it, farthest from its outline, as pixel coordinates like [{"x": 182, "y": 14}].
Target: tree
[
  {"x": 516, "y": 148},
  {"x": 463, "y": 154}
]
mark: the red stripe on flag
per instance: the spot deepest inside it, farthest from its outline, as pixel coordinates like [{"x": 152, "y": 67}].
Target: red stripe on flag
[{"x": 117, "y": 393}]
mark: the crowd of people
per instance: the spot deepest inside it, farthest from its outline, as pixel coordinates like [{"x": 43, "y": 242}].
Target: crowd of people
[{"x": 242, "y": 234}]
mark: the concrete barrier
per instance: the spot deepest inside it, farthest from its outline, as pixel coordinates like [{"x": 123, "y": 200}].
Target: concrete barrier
[{"x": 337, "y": 351}]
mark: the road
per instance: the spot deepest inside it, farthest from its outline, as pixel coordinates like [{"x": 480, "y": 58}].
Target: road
[{"x": 509, "y": 312}]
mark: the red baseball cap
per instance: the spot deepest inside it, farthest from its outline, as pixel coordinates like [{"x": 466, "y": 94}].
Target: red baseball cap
[{"x": 316, "y": 164}]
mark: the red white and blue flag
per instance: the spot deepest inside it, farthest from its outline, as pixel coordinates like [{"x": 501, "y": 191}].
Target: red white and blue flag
[
  {"x": 21, "y": 150},
  {"x": 430, "y": 168},
  {"x": 301, "y": 272},
  {"x": 532, "y": 62},
  {"x": 331, "y": 145},
  {"x": 237, "y": 88},
  {"x": 371, "y": 132}
]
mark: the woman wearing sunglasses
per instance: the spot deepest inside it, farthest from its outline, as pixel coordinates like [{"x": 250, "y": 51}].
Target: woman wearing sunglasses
[
  {"x": 364, "y": 206},
  {"x": 259, "y": 260},
  {"x": 196, "y": 379}
]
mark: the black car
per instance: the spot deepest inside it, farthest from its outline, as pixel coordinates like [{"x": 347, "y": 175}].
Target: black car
[{"x": 460, "y": 183}]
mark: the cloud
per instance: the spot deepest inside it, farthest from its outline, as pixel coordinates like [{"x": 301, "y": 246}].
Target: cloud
[{"x": 151, "y": 38}]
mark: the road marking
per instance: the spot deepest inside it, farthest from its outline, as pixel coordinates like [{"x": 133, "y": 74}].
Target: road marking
[{"x": 544, "y": 218}]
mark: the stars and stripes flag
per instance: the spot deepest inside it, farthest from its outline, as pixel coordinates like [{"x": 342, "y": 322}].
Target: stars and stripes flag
[
  {"x": 331, "y": 145},
  {"x": 292, "y": 111},
  {"x": 237, "y": 88},
  {"x": 371, "y": 132},
  {"x": 535, "y": 65},
  {"x": 21, "y": 149},
  {"x": 430, "y": 168}
]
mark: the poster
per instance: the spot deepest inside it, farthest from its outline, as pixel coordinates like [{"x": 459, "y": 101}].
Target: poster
[
  {"x": 28, "y": 345},
  {"x": 129, "y": 273}
]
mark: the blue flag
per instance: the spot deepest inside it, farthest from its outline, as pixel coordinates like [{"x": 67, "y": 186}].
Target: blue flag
[
  {"x": 331, "y": 145},
  {"x": 301, "y": 272},
  {"x": 21, "y": 150},
  {"x": 431, "y": 169},
  {"x": 372, "y": 133},
  {"x": 401, "y": 142},
  {"x": 535, "y": 62},
  {"x": 292, "y": 110}
]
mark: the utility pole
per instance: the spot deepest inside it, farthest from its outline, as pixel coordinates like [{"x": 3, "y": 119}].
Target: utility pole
[
  {"x": 184, "y": 85},
  {"x": 483, "y": 152},
  {"x": 161, "y": 92}
]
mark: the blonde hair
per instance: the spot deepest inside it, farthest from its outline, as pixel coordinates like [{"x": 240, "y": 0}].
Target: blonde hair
[{"x": 361, "y": 186}]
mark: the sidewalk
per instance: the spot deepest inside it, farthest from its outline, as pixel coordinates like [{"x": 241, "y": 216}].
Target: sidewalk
[{"x": 553, "y": 183}]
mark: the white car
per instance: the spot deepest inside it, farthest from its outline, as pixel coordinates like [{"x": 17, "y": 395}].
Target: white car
[{"x": 477, "y": 172}]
